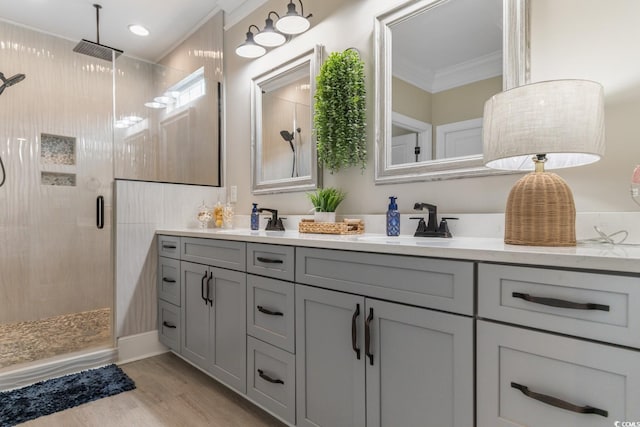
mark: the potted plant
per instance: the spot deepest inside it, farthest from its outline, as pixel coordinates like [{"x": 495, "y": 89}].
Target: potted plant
[
  {"x": 325, "y": 201},
  {"x": 340, "y": 111}
]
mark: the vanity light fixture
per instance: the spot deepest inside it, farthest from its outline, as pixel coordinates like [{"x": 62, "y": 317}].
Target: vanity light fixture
[
  {"x": 286, "y": 26},
  {"x": 269, "y": 37},
  {"x": 249, "y": 49},
  {"x": 552, "y": 124},
  {"x": 139, "y": 30},
  {"x": 292, "y": 23}
]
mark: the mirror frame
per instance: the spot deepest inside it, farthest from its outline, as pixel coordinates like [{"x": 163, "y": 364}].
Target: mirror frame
[
  {"x": 515, "y": 65},
  {"x": 314, "y": 60}
]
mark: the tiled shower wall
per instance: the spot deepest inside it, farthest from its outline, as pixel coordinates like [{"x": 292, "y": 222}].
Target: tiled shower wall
[
  {"x": 56, "y": 144},
  {"x": 141, "y": 208}
]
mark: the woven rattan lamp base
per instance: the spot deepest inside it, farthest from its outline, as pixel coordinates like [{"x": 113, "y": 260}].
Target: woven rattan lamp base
[{"x": 540, "y": 212}]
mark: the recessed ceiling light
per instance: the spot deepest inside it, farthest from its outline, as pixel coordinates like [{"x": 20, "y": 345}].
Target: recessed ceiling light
[{"x": 138, "y": 30}]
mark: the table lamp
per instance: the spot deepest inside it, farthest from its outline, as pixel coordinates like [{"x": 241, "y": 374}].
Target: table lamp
[{"x": 546, "y": 125}]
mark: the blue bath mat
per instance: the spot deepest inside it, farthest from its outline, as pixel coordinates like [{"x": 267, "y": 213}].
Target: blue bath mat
[{"x": 57, "y": 394}]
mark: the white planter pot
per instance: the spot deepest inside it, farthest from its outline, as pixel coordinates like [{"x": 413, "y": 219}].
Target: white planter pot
[{"x": 324, "y": 216}]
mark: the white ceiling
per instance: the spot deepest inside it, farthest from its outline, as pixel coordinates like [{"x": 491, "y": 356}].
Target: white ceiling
[
  {"x": 455, "y": 43},
  {"x": 169, "y": 21}
]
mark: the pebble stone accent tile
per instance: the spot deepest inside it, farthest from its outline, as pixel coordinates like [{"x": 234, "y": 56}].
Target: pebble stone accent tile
[
  {"x": 23, "y": 342},
  {"x": 61, "y": 179},
  {"x": 57, "y": 150}
]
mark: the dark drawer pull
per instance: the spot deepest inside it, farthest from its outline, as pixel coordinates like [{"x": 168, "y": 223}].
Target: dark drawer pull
[
  {"x": 206, "y": 301},
  {"x": 268, "y": 378},
  {"x": 164, "y": 279},
  {"x": 354, "y": 331},
  {"x": 558, "y": 403},
  {"x": 560, "y": 303},
  {"x": 270, "y": 260},
  {"x": 165, "y": 246},
  {"x": 261, "y": 309},
  {"x": 367, "y": 336},
  {"x": 168, "y": 325}
]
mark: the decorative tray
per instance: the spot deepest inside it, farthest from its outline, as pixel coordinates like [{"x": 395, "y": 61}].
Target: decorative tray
[{"x": 347, "y": 226}]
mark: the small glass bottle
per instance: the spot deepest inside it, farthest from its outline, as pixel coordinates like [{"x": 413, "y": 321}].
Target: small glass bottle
[
  {"x": 218, "y": 217},
  {"x": 255, "y": 217},
  {"x": 227, "y": 215},
  {"x": 393, "y": 218}
]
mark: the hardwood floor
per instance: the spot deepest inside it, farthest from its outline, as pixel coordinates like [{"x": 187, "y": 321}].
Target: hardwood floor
[{"x": 169, "y": 392}]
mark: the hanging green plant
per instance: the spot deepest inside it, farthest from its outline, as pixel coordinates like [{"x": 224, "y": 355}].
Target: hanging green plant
[{"x": 340, "y": 111}]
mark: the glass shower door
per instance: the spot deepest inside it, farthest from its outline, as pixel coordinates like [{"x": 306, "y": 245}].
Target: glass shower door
[{"x": 56, "y": 143}]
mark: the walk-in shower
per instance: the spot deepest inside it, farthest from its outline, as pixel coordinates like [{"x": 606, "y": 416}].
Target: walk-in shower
[{"x": 56, "y": 150}]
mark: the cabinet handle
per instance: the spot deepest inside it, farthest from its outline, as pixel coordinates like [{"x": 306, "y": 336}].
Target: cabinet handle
[
  {"x": 209, "y": 300},
  {"x": 168, "y": 325},
  {"x": 560, "y": 303},
  {"x": 558, "y": 403},
  {"x": 166, "y": 246},
  {"x": 268, "y": 378},
  {"x": 354, "y": 331},
  {"x": 164, "y": 279},
  {"x": 202, "y": 287},
  {"x": 367, "y": 336},
  {"x": 261, "y": 309},
  {"x": 270, "y": 260}
]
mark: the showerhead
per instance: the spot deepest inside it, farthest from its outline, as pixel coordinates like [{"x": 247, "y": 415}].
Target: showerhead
[
  {"x": 6, "y": 82},
  {"x": 288, "y": 136},
  {"x": 96, "y": 49}
]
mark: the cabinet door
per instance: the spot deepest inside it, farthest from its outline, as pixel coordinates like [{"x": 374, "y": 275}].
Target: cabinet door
[
  {"x": 228, "y": 327},
  {"x": 329, "y": 376},
  {"x": 195, "y": 313},
  {"x": 420, "y": 372},
  {"x": 536, "y": 379}
]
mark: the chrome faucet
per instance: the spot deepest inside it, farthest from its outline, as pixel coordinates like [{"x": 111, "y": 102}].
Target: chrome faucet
[
  {"x": 274, "y": 223},
  {"x": 429, "y": 229}
]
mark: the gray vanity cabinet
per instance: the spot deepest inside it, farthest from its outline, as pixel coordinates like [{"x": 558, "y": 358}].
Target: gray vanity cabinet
[
  {"x": 416, "y": 368},
  {"x": 213, "y": 321}
]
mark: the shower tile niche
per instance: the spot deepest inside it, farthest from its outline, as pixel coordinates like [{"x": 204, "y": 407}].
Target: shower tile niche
[
  {"x": 57, "y": 160},
  {"x": 57, "y": 150}
]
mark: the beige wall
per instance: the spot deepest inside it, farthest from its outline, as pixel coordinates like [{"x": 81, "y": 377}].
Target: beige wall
[
  {"x": 463, "y": 102},
  {"x": 410, "y": 100},
  {"x": 572, "y": 38}
]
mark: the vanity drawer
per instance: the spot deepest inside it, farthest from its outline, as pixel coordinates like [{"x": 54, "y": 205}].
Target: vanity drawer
[
  {"x": 169, "y": 280},
  {"x": 271, "y": 374},
  {"x": 271, "y": 311},
  {"x": 577, "y": 372},
  {"x": 275, "y": 261},
  {"x": 169, "y": 246},
  {"x": 603, "y": 307},
  {"x": 169, "y": 325},
  {"x": 428, "y": 282},
  {"x": 218, "y": 253}
]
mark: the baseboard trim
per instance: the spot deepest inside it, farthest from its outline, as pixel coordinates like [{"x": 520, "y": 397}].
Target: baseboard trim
[
  {"x": 139, "y": 346},
  {"x": 60, "y": 366}
]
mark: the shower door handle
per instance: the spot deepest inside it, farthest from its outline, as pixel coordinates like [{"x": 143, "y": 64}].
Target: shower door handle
[{"x": 100, "y": 212}]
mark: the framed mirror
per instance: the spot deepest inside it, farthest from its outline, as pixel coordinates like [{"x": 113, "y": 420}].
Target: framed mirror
[
  {"x": 283, "y": 147},
  {"x": 437, "y": 62}
]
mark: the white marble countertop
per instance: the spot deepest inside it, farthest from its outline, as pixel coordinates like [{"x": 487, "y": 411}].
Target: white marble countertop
[{"x": 592, "y": 256}]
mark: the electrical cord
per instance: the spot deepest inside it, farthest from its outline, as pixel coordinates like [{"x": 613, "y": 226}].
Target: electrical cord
[{"x": 609, "y": 239}]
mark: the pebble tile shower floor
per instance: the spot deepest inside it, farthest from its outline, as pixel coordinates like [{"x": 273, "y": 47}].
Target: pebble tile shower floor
[{"x": 29, "y": 341}]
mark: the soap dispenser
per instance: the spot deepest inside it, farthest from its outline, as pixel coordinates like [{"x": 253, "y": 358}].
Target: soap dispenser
[
  {"x": 255, "y": 217},
  {"x": 393, "y": 218}
]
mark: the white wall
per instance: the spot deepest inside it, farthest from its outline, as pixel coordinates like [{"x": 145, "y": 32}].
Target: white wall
[{"x": 572, "y": 38}]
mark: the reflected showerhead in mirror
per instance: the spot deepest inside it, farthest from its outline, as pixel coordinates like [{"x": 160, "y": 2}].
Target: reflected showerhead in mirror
[
  {"x": 6, "y": 82},
  {"x": 288, "y": 136}
]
